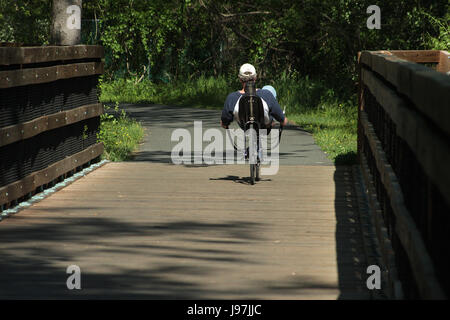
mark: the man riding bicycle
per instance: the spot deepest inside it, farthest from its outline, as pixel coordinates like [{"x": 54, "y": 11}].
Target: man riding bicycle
[{"x": 247, "y": 76}]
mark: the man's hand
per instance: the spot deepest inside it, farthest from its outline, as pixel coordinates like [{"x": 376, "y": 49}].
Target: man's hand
[
  {"x": 285, "y": 122},
  {"x": 223, "y": 126}
]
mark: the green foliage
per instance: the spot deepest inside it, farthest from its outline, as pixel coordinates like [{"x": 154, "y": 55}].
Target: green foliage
[
  {"x": 119, "y": 134},
  {"x": 25, "y": 22},
  {"x": 203, "y": 91},
  {"x": 171, "y": 40},
  {"x": 441, "y": 39}
]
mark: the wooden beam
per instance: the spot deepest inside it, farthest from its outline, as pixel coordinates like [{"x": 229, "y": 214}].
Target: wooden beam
[
  {"x": 22, "y": 77},
  {"x": 426, "y": 88},
  {"x": 418, "y": 56},
  {"x": 27, "y": 55},
  {"x": 444, "y": 62},
  {"x": 34, "y": 127},
  {"x": 28, "y": 184}
]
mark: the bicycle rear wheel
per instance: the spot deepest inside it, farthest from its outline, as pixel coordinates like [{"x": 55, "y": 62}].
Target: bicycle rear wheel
[{"x": 252, "y": 173}]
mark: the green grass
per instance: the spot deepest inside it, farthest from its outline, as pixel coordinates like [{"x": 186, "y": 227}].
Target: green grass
[
  {"x": 120, "y": 135},
  {"x": 334, "y": 130},
  {"x": 309, "y": 103},
  {"x": 206, "y": 92}
]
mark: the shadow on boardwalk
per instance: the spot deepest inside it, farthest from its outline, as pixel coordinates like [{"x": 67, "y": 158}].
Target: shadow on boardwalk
[
  {"x": 26, "y": 271},
  {"x": 351, "y": 258},
  {"x": 139, "y": 259}
]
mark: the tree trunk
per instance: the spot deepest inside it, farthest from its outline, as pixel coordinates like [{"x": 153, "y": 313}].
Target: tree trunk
[{"x": 66, "y": 22}]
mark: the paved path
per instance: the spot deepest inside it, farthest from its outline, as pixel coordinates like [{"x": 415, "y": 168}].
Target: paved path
[
  {"x": 150, "y": 229},
  {"x": 298, "y": 146}
]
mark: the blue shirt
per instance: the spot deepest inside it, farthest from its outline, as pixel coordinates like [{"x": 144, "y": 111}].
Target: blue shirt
[{"x": 274, "y": 108}]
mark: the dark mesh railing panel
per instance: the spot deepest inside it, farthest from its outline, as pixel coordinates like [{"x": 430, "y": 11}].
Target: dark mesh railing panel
[
  {"x": 25, "y": 103},
  {"x": 21, "y": 158}
]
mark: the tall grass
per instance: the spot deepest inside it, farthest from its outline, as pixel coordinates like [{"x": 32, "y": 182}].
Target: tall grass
[
  {"x": 119, "y": 134},
  {"x": 203, "y": 92}
]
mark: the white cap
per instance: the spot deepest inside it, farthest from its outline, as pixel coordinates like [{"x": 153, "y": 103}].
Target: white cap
[{"x": 247, "y": 72}]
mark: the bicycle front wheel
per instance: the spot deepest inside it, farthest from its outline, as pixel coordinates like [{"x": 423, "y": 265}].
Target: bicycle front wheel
[{"x": 258, "y": 171}]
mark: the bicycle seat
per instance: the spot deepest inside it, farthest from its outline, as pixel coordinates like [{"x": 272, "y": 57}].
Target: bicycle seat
[{"x": 251, "y": 109}]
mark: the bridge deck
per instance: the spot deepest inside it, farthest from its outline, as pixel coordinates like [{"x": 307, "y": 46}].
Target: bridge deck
[{"x": 149, "y": 230}]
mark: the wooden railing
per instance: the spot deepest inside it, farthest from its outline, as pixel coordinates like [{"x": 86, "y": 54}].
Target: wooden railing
[
  {"x": 404, "y": 153},
  {"x": 49, "y": 116}
]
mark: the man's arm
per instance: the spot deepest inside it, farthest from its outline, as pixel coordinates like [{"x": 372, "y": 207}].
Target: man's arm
[
  {"x": 227, "y": 111},
  {"x": 274, "y": 107}
]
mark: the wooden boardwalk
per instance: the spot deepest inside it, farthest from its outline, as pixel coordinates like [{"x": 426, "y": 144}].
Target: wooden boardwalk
[{"x": 160, "y": 231}]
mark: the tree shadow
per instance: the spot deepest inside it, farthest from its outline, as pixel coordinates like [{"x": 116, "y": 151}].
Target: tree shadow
[{"x": 33, "y": 265}]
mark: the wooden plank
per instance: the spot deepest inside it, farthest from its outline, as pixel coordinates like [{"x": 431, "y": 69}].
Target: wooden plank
[
  {"x": 418, "y": 56},
  {"x": 22, "y": 77},
  {"x": 428, "y": 89},
  {"x": 28, "y": 184},
  {"x": 444, "y": 62},
  {"x": 430, "y": 93},
  {"x": 406, "y": 229},
  {"x": 366, "y": 58},
  {"x": 34, "y": 127},
  {"x": 27, "y": 55},
  {"x": 217, "y": 252}
]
